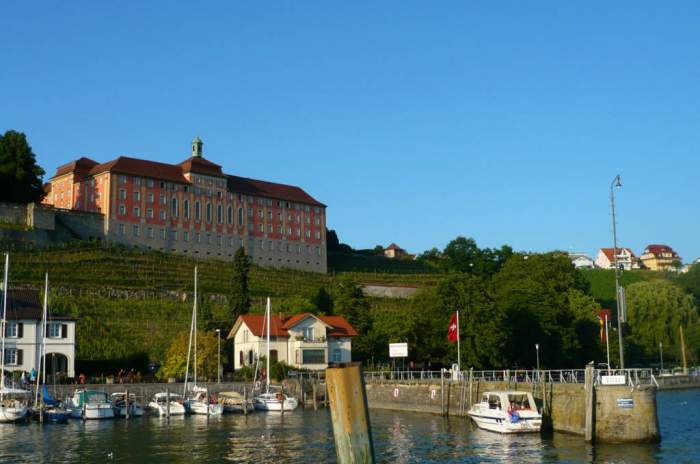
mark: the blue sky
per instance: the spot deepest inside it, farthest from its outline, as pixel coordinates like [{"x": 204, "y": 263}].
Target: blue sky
[{"x": 415, "y": 122}]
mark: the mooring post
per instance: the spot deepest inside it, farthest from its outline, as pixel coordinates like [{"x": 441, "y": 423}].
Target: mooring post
[
  {"x": 442, "y": 392},
  {"x": 167, "y": 403},
  {"x": 449, "y": 388},
  {"x": 315, "y": 397},
  {"x": 126, "y": 404},
  {"x": 245, "y": 401},
  {"x": 590, "y": 404},
  {"x": 349, "y": 413},
  {"x": 471, "y": 388}
]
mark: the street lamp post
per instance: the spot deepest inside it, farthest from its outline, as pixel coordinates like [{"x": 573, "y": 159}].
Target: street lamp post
[
  {"x": 537, "y": 349},
  {"x": 661, "y": 354},
  {"x": 616, "y": 183},
  {"x": 218, "y": 356}
]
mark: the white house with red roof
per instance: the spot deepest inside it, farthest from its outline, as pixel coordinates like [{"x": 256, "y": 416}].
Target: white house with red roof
[
  {"x": 303, "y": 340},
  {"x": 626, "y": 259}
]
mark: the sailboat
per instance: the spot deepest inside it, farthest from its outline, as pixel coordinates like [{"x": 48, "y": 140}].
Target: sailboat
[
  {"x": 45, "y": 405},
  {"x": 275, "y": 400},
  {"x": 197, "y": 399},
  {"x": 13, "y": 401}
]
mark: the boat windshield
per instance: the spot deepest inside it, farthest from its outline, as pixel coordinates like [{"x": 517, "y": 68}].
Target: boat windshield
[
  {"x": 96, "y": 397},
  {"x": 494, "y": 402},
  {"x": 519, "y": 401}
]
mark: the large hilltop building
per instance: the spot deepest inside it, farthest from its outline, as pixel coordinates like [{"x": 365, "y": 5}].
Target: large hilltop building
[{"x": 196, "y": 209}]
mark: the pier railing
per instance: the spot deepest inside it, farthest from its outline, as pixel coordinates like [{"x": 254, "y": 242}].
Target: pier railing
[{"x": 574, "y": 376}]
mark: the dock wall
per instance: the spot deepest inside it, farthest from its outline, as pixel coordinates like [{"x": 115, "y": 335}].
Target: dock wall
[{"x": 617, "y": 419}]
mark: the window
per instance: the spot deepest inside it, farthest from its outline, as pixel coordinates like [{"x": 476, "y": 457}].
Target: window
[
  {"x": 162, "y": 234},
  {"x": 269, "y": 215},
  {"x": 245, "y": 336},
  {"x": 260, "y": 201},
  {"x": 162, "y": 214},
  {"x": 270, "y": 228},
  {"x": 173, "y": 207},
  {"x": 137, "y": 181},
  {"x": 149, "y": 212},
  {"x": 298, "y": 218},
  {"x": 279, "y": 216},
  {"x": 308, "y": 233},
  {"x": 149, "y": 232},
  {"x": 260, "y": 214},
  {"x": 289, "y": 247},
  {"x": 241, "y": 358},
  {"x": 122, "y": 209},
  {"x": 298, "y": 249},
  {"x": 298, "y": 231},
  {"x": 219, "y": 213},
  {"x": 309, "y": 333},
  {"x": 185, "y": 236},
  {"x": 229, "y": 215},
  {"x": 261, "y": 227},
  {"x": 270, "y": 246},
  {"x": 122, "y": 229},
  {"x": 136, "y": 231},
  {"x": 163, "y": 201},
  {"x": 316, "y": 210},
  {"x": 122, "y": 179},
  {"x": 317, "y": 221},
  {"x": 336, "y": 355},
  {"x": 197, "y": 237},
  {"x": 186, "y": 209},
  {"x": 262, "y": 245},
  {"x": 137, "y": 211},
  {"x": 208, "y": 239},
  {"x": 11, "y": 330},
  {"x": 137, "y": 195},
  {"x": 173, "y": 234},
  {"x": 149, "y": 197},
  {"x": 318, "y": 251},
  {"x": 307, "y": 219},
  {"x": 197, "y": 211},
  {"x": 54, "y": 330},
  {"x": 218, "y": 240},
  {"x": 250, "y": 212},
  {"x": 318, "y": 235},
  {"x": 273, "y": 356},
  {"x": 240, "y": 216},
  {"x": 122, "y": 194},
  {"x": 208, "y": 212},
  {"x": 250, "y": 226},
  {"x": 149, "y": 184},
  {"x": 11, "y": 357},
  {"x": 313, "y": 356}
]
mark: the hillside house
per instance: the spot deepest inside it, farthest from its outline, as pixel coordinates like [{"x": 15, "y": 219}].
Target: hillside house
[
  {"x": 660, "y": 258},
  {"x": 394, "y": 251},
  {"x": 581, "y": 261},
  {"x": 303, "y": 340},
  {"x": 626, "y": 259}
]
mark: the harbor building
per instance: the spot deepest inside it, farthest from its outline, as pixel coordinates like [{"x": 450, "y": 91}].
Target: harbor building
[
  {"x": 194, "y": 208},
  {"x": 304, "y": 341},
  {"x": 23, "y": 336}
]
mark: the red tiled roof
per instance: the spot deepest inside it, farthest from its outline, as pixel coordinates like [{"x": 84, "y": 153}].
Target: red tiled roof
[
  {"x": 80, "y": 167},
  {"x": 140, "y": 167},
  {"x": 394, "y": 246},
  {"x": 658, "y": 249},
  {"x": 610, "y": 253},
  {"x": 270, "y": 189},
  {"x": 200, "y": 165},
  {"x": 279, "y": 327}
]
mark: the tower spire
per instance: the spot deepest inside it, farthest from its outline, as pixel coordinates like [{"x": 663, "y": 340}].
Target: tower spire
[{"x": 197, "y": 145}]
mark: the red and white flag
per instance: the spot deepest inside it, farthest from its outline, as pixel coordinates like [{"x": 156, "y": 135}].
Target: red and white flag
[{"x": 453, "y": 330}]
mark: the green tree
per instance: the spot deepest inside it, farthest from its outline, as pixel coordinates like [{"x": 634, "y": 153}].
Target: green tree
[
  {"x": 656, "y": 310},
  {"x": 293, "y": 305},
  {"x": 20, "y": 175},
  {"x": 322, "y": 301},
  {"x": 351, "y": 303},
  {"x": 240, "y": 290},
  {"x": 690, "y": 282},
  {"x": 176, "y": 357}
]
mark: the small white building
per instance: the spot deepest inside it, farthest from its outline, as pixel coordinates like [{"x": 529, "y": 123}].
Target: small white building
[
  {"x": 304, "y": 340},
  {"x": 581, "y": 261},
  {"x": 23, "y": 336},
  {"x": 626, "y": 259}
]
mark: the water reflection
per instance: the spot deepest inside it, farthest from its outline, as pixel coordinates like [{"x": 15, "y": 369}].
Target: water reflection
[{"x": 306, "y": 436}]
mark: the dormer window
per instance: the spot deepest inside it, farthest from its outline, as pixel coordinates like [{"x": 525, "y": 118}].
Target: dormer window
[{"x": 309, "y": 333}]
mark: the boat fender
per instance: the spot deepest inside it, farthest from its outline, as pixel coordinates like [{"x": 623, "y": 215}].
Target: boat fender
[{"x": 257, "y": 385}]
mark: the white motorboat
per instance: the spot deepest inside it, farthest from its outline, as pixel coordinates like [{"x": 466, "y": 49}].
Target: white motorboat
[
  {"x": 89, "y": 404},
  {"x": 272, "y": 401},
  {"x": 233, "y": 401},
  {"x": 13, "y": 401},
  {"x": 159, "y": 404},
  {"x": 201, "y": 403},
  {"x": 507, "y": 412},
  {"x": 119, "y": 404}
]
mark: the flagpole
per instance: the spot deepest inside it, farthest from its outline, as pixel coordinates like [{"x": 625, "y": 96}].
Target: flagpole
[
  {"x": 607, "y": 343},
  {"x": 459, "y": 364}
]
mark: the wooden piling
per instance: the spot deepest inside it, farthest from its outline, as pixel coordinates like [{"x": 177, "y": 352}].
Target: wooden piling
[
  {"x": 315, "y": 396},
  {"x": 126, "y": 404},
  {"x": 589, "y": 390},
  {"x": 442, "y": 392},
  {"x": 245, "y": 401},
  {"x": 349, "y": 413}
]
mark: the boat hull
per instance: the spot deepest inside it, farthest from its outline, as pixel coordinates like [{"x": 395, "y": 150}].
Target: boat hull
[
  {"x": 502, "y": 424},
  {"x": 93, "y": 412},
  {"x": 201, "y": 408},
  {"x": 12, "y": 413},
  {"x": 160, "y": 409},
  {"x": 273, "y": 404}
]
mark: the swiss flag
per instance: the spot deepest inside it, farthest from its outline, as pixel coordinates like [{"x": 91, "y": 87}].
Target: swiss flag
[{"x": 453, "y": 330}]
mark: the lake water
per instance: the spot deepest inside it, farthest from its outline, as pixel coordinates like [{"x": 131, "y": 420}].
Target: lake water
[{"x": 306, "y": 436}]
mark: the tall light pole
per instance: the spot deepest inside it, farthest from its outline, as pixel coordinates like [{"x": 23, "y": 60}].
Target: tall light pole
[
  {"x": 218, "y": 356},
  {"x": 616, "y": 183},
  {"x": 661, "y": 354},
  {"x": 537, "y": 349}
]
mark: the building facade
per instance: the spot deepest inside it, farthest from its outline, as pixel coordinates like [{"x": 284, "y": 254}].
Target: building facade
[
  {"x": 23, "y": 336},
  {"x": 660, "y": 258},
  {"x": 304, "y": 340},
  {"x": 626, "y": 259},
  {"x": 581, "y": 261},
  {"x": 194, "y": 208}
]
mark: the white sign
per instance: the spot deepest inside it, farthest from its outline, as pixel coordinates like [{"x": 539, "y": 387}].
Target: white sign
[
  {"x": 398, "y": 350},
  {"x": 625, "y": 403},
  {"x": 396, "y": 392},
  {"x": 612, "y": 379}
]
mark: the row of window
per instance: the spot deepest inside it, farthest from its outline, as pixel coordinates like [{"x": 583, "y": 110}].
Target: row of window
[
  {"x": 312, "y": 356},
  {"x": 53, "y": 330},
  {"x": 172, "y": 235}
]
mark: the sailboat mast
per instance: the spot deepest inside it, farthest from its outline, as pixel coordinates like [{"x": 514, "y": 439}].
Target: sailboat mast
[
  {"x": 189, "y": 353},
  {"x": 195, "y": 325},
  {"x": 43, "y": 341},
  {"x": 2, "y": 326},
  {"x": 267, "y": 371}
]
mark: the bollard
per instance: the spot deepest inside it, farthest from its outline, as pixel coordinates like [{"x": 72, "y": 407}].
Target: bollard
[
  {"x": 590, "y": 404},
  {"x": 349, "y": 413},
  {"x": 126, "y": 404}
]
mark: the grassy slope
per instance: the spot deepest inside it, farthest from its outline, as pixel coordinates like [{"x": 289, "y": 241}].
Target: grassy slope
[{"x": 603, "y": 283}]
